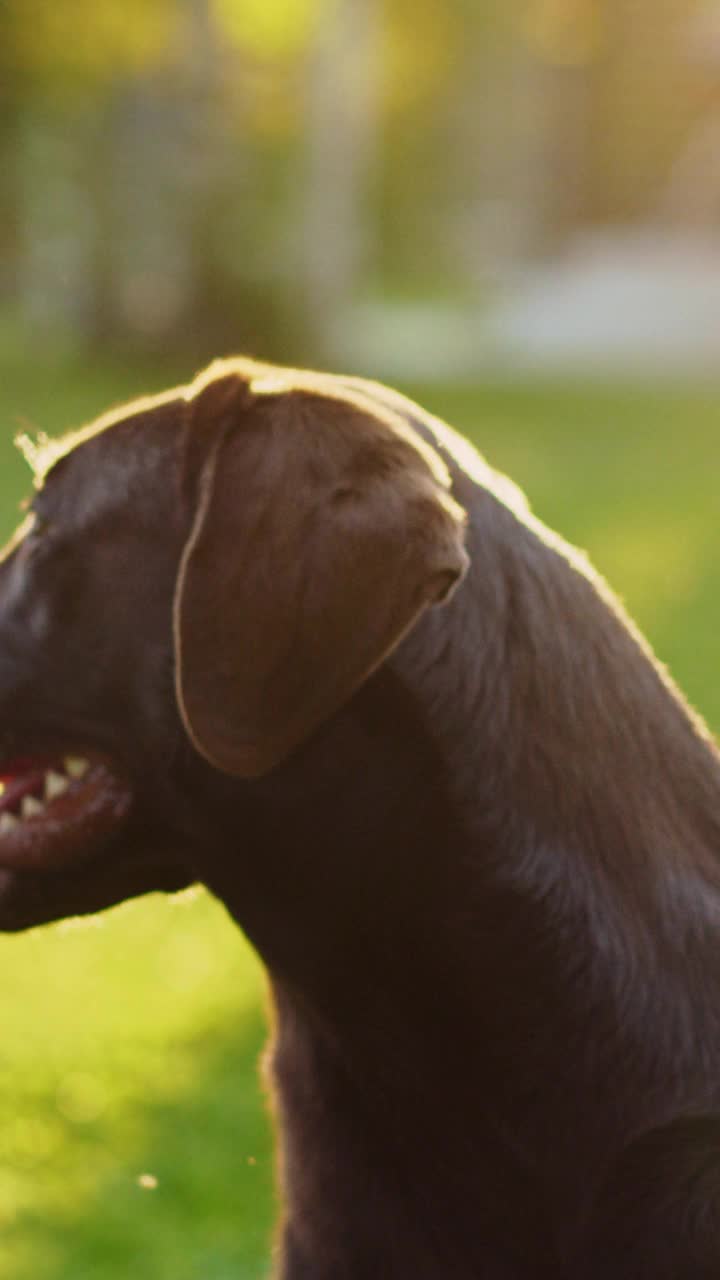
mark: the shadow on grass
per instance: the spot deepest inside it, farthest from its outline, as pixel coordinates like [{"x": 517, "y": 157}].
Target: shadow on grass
[{"x": 190, "y": 1199}]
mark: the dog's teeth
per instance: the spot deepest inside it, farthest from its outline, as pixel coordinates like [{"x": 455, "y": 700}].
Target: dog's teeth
[
  {"x": 55, "y": 784},
  {"x": 8, "y": 822},
  {"x": 31, "y": 807},
  {"x": 76, "y": 766}
]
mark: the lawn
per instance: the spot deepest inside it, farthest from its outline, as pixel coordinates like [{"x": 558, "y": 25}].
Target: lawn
[{"x": 133, "y": 1136}]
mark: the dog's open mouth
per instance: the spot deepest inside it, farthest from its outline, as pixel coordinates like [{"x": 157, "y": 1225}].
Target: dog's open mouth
[{"x": 56, "y": 808}]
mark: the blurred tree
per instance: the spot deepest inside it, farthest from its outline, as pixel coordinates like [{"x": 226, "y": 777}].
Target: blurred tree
[
  {"x": 9, "y": 188},
  {"x": 342, "y": 115},
  {"x": 233, "y": 173}
]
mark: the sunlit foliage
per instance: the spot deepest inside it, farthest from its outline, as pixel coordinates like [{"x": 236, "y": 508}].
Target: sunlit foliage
[
  {"x": 277, "y": 29},
  {"x": 79, "y": 45}
]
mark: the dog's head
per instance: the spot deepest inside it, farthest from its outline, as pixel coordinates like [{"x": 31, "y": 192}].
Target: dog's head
[{"x": 204, "y": 576}]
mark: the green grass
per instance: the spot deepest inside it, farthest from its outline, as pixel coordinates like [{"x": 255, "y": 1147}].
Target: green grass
[
  {"x": 129, "y": 1051},
  {"x": 130, "y": 1044}
]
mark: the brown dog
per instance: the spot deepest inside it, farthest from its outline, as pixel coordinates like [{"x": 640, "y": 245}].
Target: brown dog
[{"x": 476, "y": 846}]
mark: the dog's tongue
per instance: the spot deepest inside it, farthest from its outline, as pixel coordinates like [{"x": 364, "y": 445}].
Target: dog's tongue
[{"x": 14, "y": 788}]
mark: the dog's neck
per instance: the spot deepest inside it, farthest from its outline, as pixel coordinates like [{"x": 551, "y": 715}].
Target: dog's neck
[
  {"x": 516, "y": 762},
  {"x": 560, "y": 714},
  {"x": 526, "y": 710}
]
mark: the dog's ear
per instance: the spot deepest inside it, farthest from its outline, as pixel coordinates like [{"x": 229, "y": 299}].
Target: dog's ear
[{"x": 322, "y": 530}]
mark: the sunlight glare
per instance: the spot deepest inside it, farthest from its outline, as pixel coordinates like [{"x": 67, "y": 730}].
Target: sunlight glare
[{"x": 270, "y": 28}]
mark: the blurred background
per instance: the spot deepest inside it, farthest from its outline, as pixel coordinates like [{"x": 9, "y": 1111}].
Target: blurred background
[{"x": 509, "y": 208}]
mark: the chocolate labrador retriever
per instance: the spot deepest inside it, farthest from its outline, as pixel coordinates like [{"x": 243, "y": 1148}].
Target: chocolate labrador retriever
[{"x": 476, "y": 845}]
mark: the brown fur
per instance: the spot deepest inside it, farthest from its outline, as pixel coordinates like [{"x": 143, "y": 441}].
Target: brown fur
[
  {"x": 476, "y": 846},
  {"x": 344, "y": 532}
]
